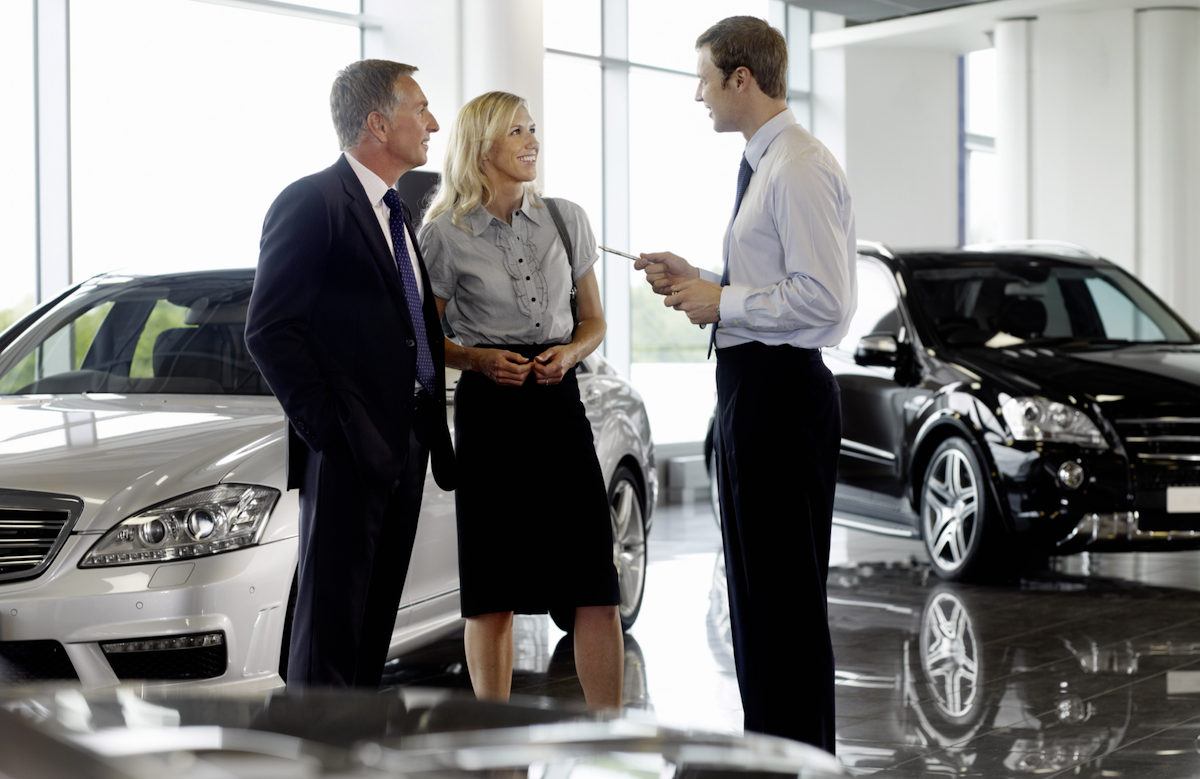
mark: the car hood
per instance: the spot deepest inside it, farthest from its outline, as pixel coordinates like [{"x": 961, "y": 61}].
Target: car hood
[
  {"x": 120, "y": 454},
  {"x": 1149, "y": 378}
]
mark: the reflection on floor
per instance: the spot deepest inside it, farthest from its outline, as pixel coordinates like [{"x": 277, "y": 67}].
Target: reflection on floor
[{"x": 1091, "y": 668}]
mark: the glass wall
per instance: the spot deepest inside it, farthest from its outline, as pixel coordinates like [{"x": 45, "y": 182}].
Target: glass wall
[
  {"x": 681, "y": 174},
  {"x": 979, "y": 155},
  {"x": 187, "y": 119},
  {"x": 571, "y": 135},
  {"x": 18, "y": 171}
]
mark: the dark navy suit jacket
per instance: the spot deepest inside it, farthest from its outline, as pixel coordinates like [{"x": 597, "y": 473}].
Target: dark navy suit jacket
[{"x": 329, "y": 327}]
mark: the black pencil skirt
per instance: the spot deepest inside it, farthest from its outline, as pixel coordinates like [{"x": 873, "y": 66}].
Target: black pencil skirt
[{"x": 533, "y": 520}]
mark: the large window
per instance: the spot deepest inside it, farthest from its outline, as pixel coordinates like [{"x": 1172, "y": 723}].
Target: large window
[
  {"x": 187, "y": 119},
  {"x": 680, "y": 176},
  {"x": 18, "y": 216},
  {"x": 980, "y": 179}
]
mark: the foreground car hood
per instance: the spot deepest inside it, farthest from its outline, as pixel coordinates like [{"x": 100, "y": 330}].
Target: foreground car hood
[
  {"x": 120, "y": 454},
  {"x": 1148, "y": 376}
]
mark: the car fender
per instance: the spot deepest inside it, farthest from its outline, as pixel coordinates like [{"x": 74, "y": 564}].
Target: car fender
[
  {"x": 962, "y": 414},
  {"x": 265, "y": 466}
]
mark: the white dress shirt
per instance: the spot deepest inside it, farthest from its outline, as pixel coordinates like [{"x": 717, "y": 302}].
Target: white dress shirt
[
  {"x": 376, "y": 188},
  {"x": 792, "y": 245}
]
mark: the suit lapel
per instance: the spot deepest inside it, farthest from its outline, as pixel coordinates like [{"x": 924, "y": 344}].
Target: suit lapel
[{"x": 368, "y": 223}]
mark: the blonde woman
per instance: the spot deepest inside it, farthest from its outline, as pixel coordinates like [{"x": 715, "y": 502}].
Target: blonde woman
[{"x": 533, "y": 522}]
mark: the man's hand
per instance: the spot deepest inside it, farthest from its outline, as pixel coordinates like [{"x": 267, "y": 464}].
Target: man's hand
[
  {"x": 501, "y": 366},
  {"x": 697, "y": 298},
  {"x": 664, "y": 270}
]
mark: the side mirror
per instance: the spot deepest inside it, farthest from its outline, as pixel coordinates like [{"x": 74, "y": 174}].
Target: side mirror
[{"x": 878, "y": 349}]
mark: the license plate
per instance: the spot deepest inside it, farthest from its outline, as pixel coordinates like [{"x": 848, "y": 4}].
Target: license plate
[{"x": 1183, "y": 500}]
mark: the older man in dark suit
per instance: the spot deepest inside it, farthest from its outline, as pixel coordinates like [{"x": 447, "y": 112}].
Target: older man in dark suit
[{"x": 343, "y": 324}]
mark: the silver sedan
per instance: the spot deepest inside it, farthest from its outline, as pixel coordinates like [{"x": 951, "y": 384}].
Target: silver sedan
[{"x": 145, "y": 532}]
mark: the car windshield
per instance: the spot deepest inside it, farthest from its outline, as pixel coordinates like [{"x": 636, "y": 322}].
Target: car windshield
[
  {"x": 1010, "y": 302},
  {"x": 176, "y": 334}
]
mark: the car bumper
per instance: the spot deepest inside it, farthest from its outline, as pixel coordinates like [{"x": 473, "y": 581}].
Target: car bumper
[
  {"x": 241, "y": 595},
  {"x": 1119, "y": 532}
]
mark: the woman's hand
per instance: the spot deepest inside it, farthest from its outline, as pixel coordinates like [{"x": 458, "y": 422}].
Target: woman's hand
[
  {"x": 551, "y": 365},
  {"x": 501, "y": 366}
]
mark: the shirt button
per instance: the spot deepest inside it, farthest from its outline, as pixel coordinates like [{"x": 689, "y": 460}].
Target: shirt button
[
  {"x": 533, "y": 300},
  {"x": 410, "y": 343},
  {"x": 527, "y": 278},
  {"x": 539, "y": 324},
  {"x": 520, "y": 260}
]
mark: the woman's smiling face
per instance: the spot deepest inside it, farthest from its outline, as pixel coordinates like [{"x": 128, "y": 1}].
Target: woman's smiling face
[{"x": 514, "y": 157}]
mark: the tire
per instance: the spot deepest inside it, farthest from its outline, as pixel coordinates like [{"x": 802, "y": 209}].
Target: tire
[
  {"x": 959, "y": 521},
  {"x": 629, "y": 549}
]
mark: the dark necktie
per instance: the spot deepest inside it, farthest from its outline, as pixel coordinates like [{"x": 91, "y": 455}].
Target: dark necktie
[
  {"x": 744, "y": 174},
  {"x": 411, "y": 294}
]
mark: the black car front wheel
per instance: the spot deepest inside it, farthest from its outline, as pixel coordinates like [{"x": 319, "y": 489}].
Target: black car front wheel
[{"x": 958, "y": 520}]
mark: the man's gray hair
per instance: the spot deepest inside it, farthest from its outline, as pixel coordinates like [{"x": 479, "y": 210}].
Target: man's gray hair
[{"x": 359, "y": 89}]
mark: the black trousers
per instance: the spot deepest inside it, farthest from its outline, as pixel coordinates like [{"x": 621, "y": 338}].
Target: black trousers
[
  {"x": 779, "y": 427},
  {"x": 355, "y": 544}
]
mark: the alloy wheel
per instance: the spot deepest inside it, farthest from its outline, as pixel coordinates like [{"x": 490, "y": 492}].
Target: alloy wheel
[
  {"x": 950, "y": 509},
  {"x": 950, "y": 654},
  {"x": 629, "y": 545}
]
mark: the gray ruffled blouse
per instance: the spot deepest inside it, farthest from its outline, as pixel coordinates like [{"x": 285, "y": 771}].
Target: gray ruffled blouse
[{"x": 508, "y": 285}]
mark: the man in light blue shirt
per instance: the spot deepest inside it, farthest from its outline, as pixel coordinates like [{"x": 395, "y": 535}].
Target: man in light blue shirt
[{"x": 788, "y": 289}]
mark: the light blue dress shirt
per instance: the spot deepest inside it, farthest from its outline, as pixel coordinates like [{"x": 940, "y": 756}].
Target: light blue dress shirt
[{"x": 791, "y": 247}]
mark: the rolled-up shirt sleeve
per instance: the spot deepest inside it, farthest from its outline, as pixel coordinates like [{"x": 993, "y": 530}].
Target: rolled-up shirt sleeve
[{"x": 807, "y": 201}]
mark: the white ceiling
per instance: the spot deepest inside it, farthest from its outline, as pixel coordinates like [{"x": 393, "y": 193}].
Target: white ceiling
[{"x": 964, "y": 28}]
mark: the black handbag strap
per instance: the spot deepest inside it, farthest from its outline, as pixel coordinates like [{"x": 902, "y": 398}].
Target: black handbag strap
[{"x": 556, "y": 215}]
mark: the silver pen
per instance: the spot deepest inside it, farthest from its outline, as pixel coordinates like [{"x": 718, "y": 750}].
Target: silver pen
[{"x": 630, "y": 256}]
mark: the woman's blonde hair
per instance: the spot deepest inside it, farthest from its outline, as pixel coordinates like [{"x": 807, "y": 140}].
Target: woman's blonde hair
[{"x": 479, "y": 124}]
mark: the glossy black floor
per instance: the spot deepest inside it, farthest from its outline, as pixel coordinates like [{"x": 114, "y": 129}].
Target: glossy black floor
[{"x": 1090, "y": 668}]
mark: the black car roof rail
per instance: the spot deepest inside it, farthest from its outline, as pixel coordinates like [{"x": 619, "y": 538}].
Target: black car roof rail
[
  {"x": 875, "y": 248},
  {"x": 1062, "y": 248}
]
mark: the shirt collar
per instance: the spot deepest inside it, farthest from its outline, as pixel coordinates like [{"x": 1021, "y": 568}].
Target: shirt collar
[
  {"x": 758, "y": 145},
  {"x": 532, "y": 207},
  {"x": 376, "y": 187}
]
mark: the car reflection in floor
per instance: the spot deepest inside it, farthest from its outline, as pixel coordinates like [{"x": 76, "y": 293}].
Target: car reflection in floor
[
  {"x": 1062, "y": 672},
  {"x": 1089, "y": 669}
]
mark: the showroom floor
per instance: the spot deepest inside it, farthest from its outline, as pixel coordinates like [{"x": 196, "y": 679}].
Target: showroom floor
[{"x": 1090, "y": 669}]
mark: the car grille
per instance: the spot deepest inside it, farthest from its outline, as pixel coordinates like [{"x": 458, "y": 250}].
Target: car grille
[
  {"x": 33, "y": 527},
  {"x": 1164, "y": 452},
  {"x": 34, "y": 661}
]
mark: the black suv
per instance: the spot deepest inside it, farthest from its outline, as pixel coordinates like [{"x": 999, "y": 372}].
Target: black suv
[{"x": 1015, "y": 400}]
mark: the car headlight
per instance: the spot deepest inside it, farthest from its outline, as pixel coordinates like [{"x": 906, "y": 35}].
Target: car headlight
[
  {"x": 211, "y": 520},
  {"x": 1038, "y": 419}
]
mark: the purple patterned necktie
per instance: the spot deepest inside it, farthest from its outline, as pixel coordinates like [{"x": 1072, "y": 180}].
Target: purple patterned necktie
[
  {"x": 411, "y": 294},
  {"x": 744, "y": 173}
]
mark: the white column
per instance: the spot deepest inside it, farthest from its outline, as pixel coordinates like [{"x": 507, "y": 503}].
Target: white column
[
  {"x": 618, "y": 340},
  {"x": 829, "y": 90},
  {"x": 428, "y": 37},
  {"x": 1168, "y": 155},
  {"x": 502, "y": 50},
  {"x": 53, "y": 148},
  {"x": 1014, "y": 80}
]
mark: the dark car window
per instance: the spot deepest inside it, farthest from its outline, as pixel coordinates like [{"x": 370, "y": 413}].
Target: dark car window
[
  {"x": 1012, "y": 302},
  {"x": 182, "y": 334},
  {"x": 877, "y": 310}
]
